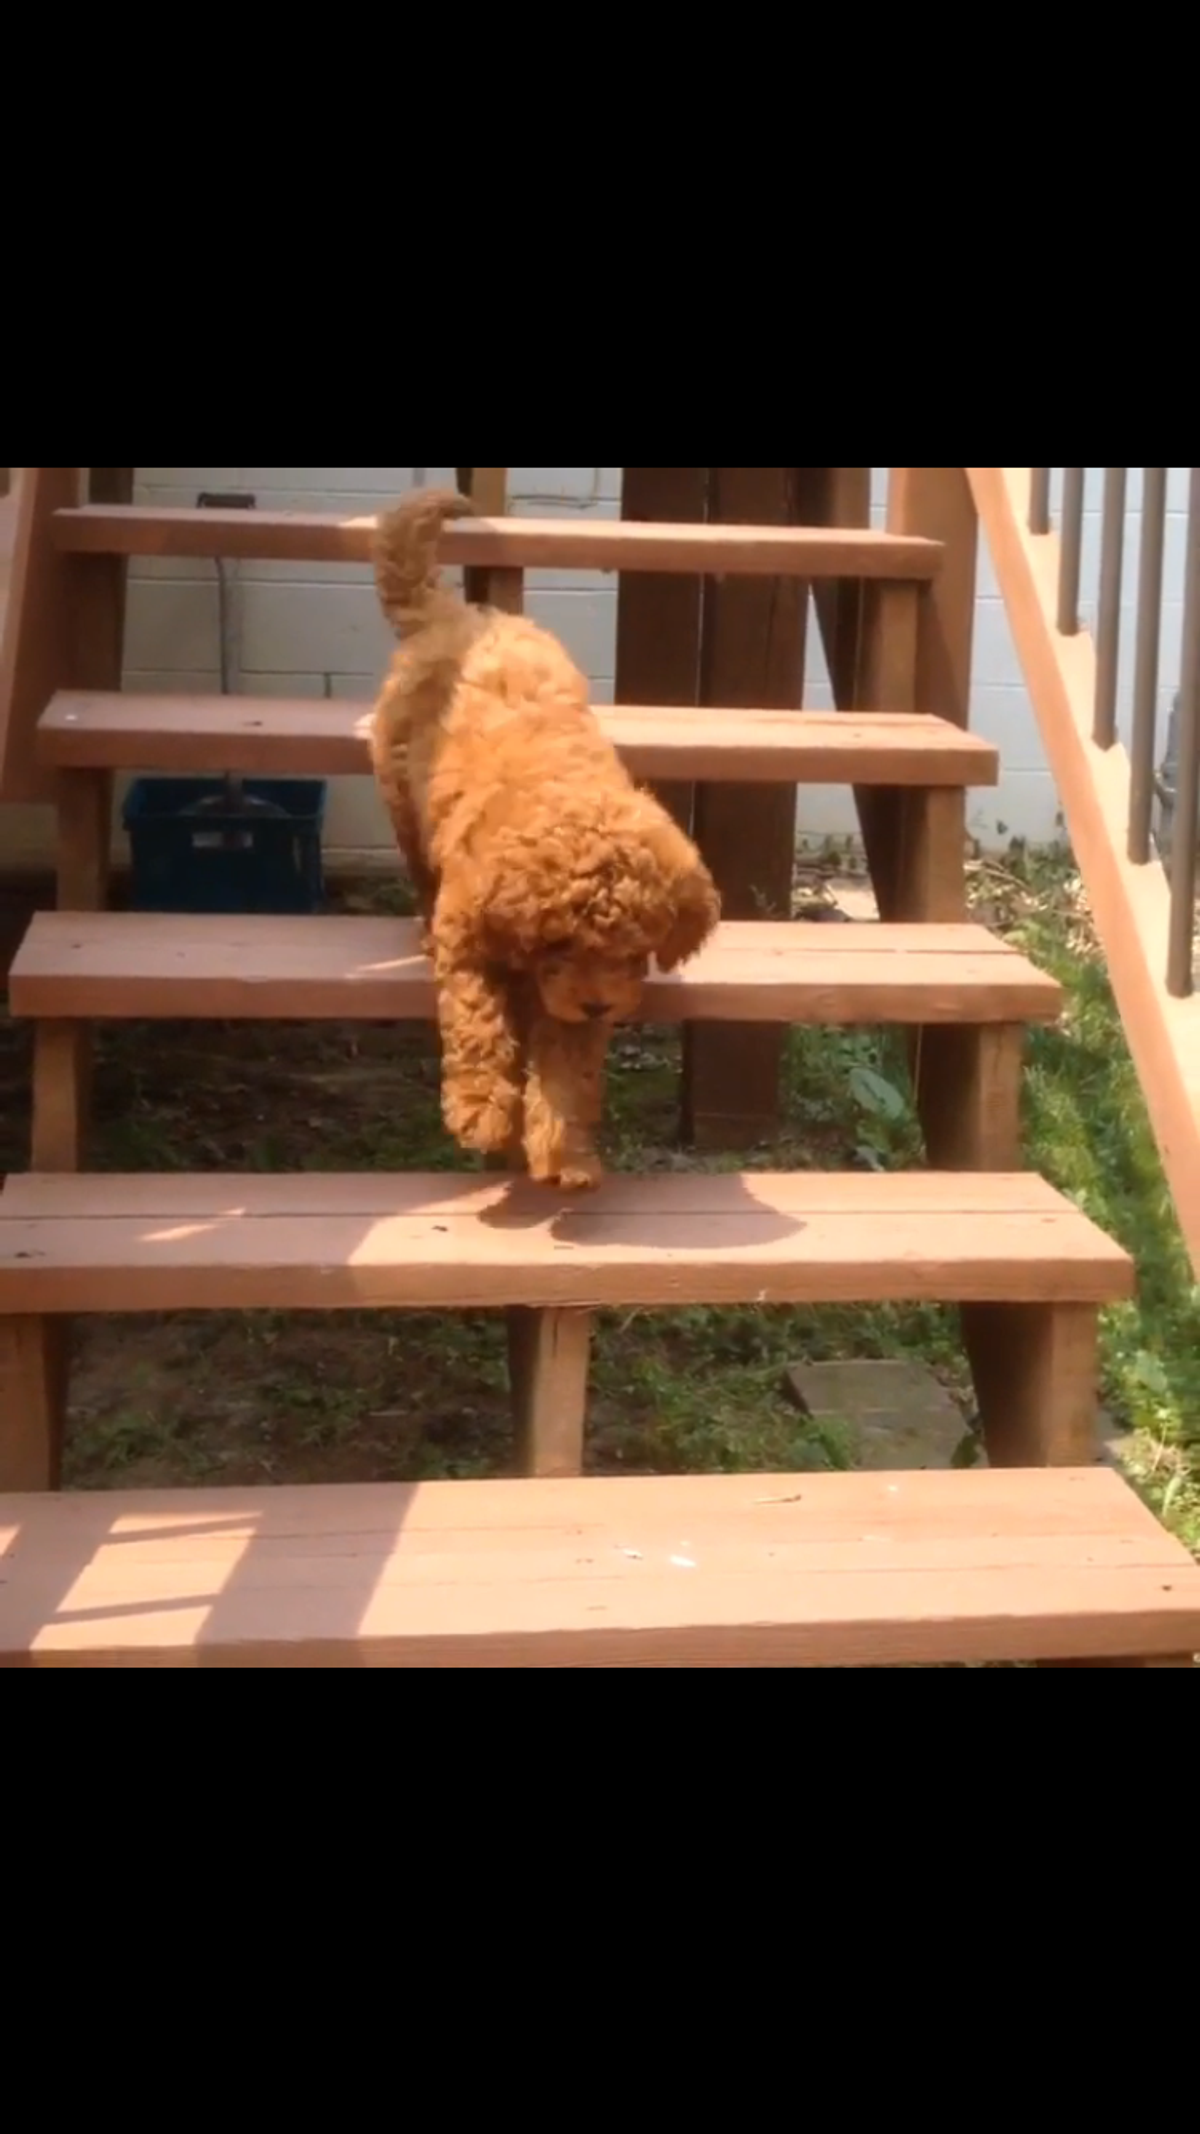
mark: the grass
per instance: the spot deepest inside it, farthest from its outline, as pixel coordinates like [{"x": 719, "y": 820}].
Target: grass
[
  {"x": 272, "y": 1398},
  {"x": 1088, "y": 1132}
]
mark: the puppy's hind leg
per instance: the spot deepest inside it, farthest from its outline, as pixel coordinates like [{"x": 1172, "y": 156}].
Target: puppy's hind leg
[
  {"x": 564, "y": 1102},
  {"x": 389, "y": 757},
  {"x": 424, "y": 881}
]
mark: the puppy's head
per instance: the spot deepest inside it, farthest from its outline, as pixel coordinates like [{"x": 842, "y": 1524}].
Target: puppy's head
[
  {"x": 583, "y": 911},
  {"x": 578, "y": 984}
]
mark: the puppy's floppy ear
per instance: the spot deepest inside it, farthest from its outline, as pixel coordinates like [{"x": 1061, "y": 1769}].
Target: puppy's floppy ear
[{"x": 695, "y": 910}]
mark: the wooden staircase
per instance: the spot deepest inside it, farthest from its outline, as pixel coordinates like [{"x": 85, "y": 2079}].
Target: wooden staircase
[{"x": 1029, "y": 1271}]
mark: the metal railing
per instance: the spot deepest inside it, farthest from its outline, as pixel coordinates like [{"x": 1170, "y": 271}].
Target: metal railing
[{"x": 1166, "y": 767}]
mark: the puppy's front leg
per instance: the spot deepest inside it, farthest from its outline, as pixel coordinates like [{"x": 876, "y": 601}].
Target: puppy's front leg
[
  {"x": 482, "y": 1097},
  {"x": 564, "y": 1101}
]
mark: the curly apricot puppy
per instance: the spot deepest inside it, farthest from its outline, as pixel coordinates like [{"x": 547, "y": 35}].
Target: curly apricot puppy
[{"x": 547, "y": 880}]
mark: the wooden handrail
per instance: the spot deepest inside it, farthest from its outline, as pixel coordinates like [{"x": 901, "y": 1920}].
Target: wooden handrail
[{"x": 1102, "y": 802}]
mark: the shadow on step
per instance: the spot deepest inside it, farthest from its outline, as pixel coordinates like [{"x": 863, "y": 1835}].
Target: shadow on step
[
  {"x": 717, "y": 1209},
  {"x": 200, "y": 1580}
]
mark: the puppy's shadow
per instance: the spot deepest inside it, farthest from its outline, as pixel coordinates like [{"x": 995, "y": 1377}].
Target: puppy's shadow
[{"x": 714, "y": 1211}]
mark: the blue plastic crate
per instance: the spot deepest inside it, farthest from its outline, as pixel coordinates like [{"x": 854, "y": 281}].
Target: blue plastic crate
[{"x": 223, "y": 861}]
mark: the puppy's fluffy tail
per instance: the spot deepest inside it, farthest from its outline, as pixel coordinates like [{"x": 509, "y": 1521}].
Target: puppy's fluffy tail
[{"x": 405, "y": 557}]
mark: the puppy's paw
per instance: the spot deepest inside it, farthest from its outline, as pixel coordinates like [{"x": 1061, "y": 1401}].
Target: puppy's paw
[
  {"x": 581, "y": 1174},
  {"x": 488, "y": 1123},
  {"x": 551, "y": 1162}
]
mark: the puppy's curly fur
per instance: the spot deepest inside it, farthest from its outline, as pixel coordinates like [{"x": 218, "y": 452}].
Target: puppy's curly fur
[{"x": 547, "y": 880}]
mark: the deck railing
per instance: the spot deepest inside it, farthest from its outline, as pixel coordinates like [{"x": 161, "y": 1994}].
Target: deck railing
[
  {"x": 1100, "y": 574},
  {"x": 1164, "y": 756}
]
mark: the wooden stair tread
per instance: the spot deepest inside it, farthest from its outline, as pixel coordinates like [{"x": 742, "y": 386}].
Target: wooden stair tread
[
  {"x": 506, "y": 544},
  {"x": 326, "y": 1241},
  {"x": 132, "y": 965},
  {"x": 307, "y": 737},
  {"x": 730, "y": 1570}
]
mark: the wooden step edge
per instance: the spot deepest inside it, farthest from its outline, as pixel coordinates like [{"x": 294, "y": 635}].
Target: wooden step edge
[
  {"x": 778, "y": 1570},
  {"x": 131, "y": 966},
  {"x": 194, "y": 735},
  {"x": 505, "y": 544},
  {"x": 450, "y": 1241}
]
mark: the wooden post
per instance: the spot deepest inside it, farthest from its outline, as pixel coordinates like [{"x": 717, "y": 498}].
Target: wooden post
[
  {"x": 488, "y": 487},
  {"x": 503, "y": 589},
  {"x": 752, "y": 654},
  {"x": 1036, "y": 1372},
  {"x": 877, "y": 640},
  {"x": 658, "y": 619},
  {"x": 837, "y": 496},
  {"x": 967, "y": 1084},
  {"x": 915, "y": 836},
  {"x": 936, "y": 503},
  {"x": 33, "y": 1401},
  {"x": 908, "y": 648},
  {"x": 548, "y": 1370},
  {"x": 62, "y": 1090}
]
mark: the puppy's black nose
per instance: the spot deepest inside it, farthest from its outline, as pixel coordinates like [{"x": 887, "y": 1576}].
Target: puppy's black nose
[{"x": 594, "y": 1009}]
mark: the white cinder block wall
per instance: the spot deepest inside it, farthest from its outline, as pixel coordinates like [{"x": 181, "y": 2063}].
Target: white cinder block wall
[
  {"x": 305, "y": 630},
  {"x": 308, "y": 631}
]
